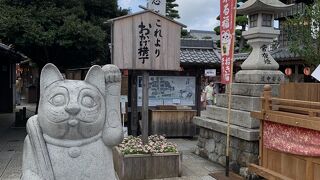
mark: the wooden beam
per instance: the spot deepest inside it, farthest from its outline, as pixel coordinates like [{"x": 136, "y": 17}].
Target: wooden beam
[
  {"x": 257, "y": 114},
  {"x": 293, "y": 120},
  {"x": 267, "y": 173},
  {"x": 297, "y": 102}
]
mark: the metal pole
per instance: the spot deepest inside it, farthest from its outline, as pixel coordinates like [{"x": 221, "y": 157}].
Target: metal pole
[{"x": 145, "y": 104}]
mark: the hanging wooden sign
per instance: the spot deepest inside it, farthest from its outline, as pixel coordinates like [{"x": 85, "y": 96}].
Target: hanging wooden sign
[{"x": 146, "y": 41}]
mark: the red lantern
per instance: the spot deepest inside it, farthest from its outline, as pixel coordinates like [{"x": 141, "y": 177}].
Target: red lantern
[
  {"x": 306, "y": 71},
  {"x": 288, "y": 71}
]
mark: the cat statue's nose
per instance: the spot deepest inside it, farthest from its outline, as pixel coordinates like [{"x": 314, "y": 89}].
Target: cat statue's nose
[{"x": 72, "y": 109}]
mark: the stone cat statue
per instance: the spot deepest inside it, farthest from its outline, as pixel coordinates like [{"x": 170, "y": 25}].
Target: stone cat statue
[{"x": 77, "y": 125}]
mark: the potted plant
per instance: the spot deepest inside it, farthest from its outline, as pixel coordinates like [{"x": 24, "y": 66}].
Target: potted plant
[{"x": 156, "y": 159}]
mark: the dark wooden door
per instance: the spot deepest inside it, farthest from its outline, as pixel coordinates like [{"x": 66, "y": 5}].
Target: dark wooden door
[{"x": 6, "y": 90}]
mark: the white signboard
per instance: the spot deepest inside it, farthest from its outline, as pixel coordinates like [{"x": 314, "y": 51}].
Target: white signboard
[
  {"x": 158, "y": 6},
  {"x": 123, "y": 100},
  {"x": 210, "y": 72},
  {"x": 169, "y": 90},
  {"x": 316, "y": 73}
]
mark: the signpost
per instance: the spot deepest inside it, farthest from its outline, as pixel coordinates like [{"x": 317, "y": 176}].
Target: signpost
[
  {"x": 146, "y": 41},
  {"x": 227, "y": 37}
]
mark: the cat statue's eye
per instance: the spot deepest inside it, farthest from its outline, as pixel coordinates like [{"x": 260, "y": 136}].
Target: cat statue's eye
[
  {"x": 88, "y": 102},
  {"x": 58, "y": 100}
]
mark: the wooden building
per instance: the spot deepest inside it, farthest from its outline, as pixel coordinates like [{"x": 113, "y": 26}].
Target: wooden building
[{"x": 9, "y": 57}]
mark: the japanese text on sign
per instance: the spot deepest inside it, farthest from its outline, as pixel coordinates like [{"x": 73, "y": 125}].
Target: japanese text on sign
[
  {"x": 159, "y": 6},
  {"x": 144, "y": 40},
  {"x": 227, "y": 27}
]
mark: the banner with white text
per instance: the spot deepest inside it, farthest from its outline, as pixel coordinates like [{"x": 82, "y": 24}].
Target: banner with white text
[{"x": 227, "y": 28}]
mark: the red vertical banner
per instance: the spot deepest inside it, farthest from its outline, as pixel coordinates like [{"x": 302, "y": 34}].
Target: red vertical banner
[{"x": 227, "y": 36}]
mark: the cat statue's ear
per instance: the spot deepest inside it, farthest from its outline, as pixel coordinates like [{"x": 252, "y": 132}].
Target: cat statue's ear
[
  {"x": 95, "y": 77},
  {"x": 49, "y": 74}
]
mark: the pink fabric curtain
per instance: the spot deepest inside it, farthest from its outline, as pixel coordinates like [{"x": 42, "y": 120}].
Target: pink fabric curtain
[{"x": 289, "y": 139}]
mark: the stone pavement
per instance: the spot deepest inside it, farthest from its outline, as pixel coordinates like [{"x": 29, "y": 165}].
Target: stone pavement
[
  {"x": 11, "y": 146},
  {"x": 193, "y": 166}
]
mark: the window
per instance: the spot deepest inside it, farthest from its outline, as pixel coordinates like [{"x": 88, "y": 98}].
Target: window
[
  {"x": 254, "y": 20},
  {"x": 267, "y": 20}
]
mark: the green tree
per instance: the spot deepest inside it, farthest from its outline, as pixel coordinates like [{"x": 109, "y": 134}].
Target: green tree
[
  {"x": 184, "y": 33},
  {"x": 303, "y": 34},
  {"x": 68, "y": 33},
  {"x": 170, "y": 11}
]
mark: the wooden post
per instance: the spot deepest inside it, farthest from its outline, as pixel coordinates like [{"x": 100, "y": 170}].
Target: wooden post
[
  {"x": 133, "y": 104},
  {"x": 267, "y": 95},
  {"x": 228, "y": 127},
  {"x": 229, "y": 97},
  {"x": 296, "y": 73},
  {"x": 265, "y": 106},
  {"x": 198, "y": 92},
  {"x": 145, "y": 104}
]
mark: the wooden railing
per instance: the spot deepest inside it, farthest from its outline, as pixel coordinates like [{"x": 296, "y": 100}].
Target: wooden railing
[{"x": 294, "y": 113}]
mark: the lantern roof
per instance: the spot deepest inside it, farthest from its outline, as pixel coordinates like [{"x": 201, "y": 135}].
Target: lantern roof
[{"x": 252, "y": 6}]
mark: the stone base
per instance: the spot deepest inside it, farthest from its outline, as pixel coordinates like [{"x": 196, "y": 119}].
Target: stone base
[
  {"x": 255, "y": 90},
  {"x": 212, "y": 145},
  {"x": 239, "y": 118},
  {"x": 259, "y": 76},
  {"x": 244, "y": 103},
  {"x": 247, "y": 134}
]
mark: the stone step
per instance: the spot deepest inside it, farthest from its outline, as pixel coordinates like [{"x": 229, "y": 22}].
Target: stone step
[
  {"x": 235, "y": 131},
  {"x": 244, "y": 103},
  {"x": 240, "y": 118},
  {"x": 256, "y": 90}
]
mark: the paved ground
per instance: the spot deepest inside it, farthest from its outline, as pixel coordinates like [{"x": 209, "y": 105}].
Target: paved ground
[{"x": 11, "y": 146}]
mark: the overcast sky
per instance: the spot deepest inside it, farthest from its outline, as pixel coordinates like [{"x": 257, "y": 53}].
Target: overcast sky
[{"x": 196, "y": 14}]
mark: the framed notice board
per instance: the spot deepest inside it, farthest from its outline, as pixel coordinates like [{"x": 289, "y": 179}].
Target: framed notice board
[{"x": 169, "y": 90}]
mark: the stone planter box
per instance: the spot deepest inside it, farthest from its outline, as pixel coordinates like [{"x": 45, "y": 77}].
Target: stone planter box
[{"x": 146, "y": 166}]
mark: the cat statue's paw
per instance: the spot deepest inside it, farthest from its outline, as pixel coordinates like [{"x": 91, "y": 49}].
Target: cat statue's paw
[{"x": 112, "y": 73}]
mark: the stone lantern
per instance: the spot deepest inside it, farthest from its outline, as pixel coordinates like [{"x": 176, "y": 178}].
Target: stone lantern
[
  {"x": 257, "y": 70},
  {"x": 260, "y": 67}
]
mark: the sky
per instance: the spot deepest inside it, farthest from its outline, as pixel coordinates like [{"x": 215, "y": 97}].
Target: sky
[{"x": 195, "y": 14}]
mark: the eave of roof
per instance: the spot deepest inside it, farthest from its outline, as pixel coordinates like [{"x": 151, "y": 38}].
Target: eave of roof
[
  {"x": 262, "y": 5},
  {"x": 11, "y": 54}
]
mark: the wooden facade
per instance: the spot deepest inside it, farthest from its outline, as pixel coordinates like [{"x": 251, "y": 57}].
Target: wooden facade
[
  {"x": 146, "y": 41},
  {"x": 146, "y": 166},
  {"x": 301, "y": 91},
  {"x": 9, "y": 57},
  {"x": 172, "y": 123},
  {"x": 294, "y": 113}
]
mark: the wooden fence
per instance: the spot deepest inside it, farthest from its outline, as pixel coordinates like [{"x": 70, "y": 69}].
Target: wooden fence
[
  {"x": 295, "y": 113},
  {"x": 300, "y": 91}
]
